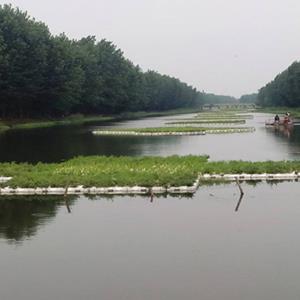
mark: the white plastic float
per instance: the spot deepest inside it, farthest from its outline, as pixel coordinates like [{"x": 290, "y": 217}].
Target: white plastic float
[
  {"x": 138, "y": 190},
  {"x": 246, "y": 177},
  {"x": 95, "y": 190}
]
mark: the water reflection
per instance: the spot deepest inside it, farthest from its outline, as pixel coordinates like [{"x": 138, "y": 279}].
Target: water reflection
[
  {"x": 21, "y": 217},
  {"x": 60, "y": 143},
  {"x": 57, "y": 144},
  {"x": 239, "y": 202},
  {"x": 191, "y": 248},
  {"x": 281, "y": 131}
]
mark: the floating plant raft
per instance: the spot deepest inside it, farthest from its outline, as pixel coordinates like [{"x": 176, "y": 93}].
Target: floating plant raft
[
  {"x": 163, "y": 131},
  {"x": 222, "y": 116},
  {"x": 211, "y": 121},
  {"x": 129, "y": 175}
]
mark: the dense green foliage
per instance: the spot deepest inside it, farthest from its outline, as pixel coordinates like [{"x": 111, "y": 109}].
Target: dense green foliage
[
  {"x": 218, "y": 99},
  {"x": 42, "y": 75},
  {"x": 249, "y": 98},
  {"x": 101, "y": 171},
  {"x": 284, "y": 90}
]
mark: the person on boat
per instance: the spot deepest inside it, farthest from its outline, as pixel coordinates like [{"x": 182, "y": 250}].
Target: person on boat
[
  {"x": 286, "y": 119},
  {"x": 276, "y": 119}
]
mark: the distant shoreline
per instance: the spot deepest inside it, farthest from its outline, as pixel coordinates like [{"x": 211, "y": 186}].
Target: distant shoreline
[{"x": 17, "y": 124}]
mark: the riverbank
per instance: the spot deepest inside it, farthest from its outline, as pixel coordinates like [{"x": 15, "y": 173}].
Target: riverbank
[
  {"x": 281, "y": 110},
  {"x": 102, "y": 174},
  {"x": 17, "y": 124}
]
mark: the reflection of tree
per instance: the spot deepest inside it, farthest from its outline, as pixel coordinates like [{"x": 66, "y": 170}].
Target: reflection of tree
[
  {"x": 21, "y": 217},
  {"x": 60, "y": 143}
]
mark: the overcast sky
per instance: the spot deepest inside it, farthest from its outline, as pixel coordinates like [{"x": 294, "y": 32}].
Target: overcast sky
[{"x": 228, "y": 47}]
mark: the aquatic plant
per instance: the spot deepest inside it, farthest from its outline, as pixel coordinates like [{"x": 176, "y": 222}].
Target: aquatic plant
[
  {"x": 3, "y": 127},
  {"x": 188, "y": 130},
  {"x": 108, "y": 171},
  {"x": 209, "y": 121}
]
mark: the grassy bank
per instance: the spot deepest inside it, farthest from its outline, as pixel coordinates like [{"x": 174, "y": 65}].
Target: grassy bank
[
  {"x": 294, "y": 111},
  {"x": 81, "y": 119},
  {"x": 101, "y": 171},
  {"x": 67, "y": 121}
]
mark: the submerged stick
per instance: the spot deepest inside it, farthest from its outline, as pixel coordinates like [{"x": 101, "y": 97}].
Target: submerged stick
[
  {"x": 240, "y": 188},
  {"x": 151, "y": 195},
  {"x": 241, "y": 194},
  {"x": 66, "y": 191},
  {"x": 66, "y": 199}
]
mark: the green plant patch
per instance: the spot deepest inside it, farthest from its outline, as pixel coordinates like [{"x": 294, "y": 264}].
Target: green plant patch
[
  {"x": 169, "y": 130},
  {"x": 223, "y": 116},
  {"x": 109, "y": 171},
  {"x": 103, "y": 171},
  {"x": 3, "y": 127},
  {"x": 211, "y": 121}
]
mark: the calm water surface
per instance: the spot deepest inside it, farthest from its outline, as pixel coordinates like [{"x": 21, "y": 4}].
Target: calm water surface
[
  {"x": 129, "y": 248},
  {"x": 173, "y": 248},
  {"x": 60, "y": 143}
]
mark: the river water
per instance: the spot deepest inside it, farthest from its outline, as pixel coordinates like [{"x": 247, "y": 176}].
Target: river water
[
  {"x": 208, "y": 246},
  {"x": 60, "y": 143}
]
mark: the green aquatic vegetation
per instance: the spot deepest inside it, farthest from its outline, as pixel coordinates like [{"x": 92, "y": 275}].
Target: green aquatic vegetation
[
  {"x": 174, "y": 130},
  {"x": 168, "y": 129},
  {"x": 109, "y": 171},
  {"x": 161, "y": 129},
  {"x": 239, "y": 167},
  {"x": 3, "y": 127},
  {"x": 211, "y": 121},
  {"x": 101, "y": 171},
  {"x": 223, "y": 116}
]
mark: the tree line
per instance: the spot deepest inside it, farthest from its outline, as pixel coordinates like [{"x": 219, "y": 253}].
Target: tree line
[
  {"x": 43, "y": 75},
  {"x": 284, "y": 90},
  {"x": 248, "y": 98},
  {"x": 209, "y": 98}
]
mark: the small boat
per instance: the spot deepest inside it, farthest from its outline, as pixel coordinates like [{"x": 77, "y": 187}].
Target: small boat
[{"x": 279, "y": 123}]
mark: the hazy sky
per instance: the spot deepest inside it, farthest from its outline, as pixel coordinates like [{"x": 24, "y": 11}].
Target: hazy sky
[{"x": 222, "y": 46}]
